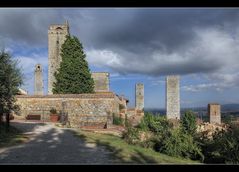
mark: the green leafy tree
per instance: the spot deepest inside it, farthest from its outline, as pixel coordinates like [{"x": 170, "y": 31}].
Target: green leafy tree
[
  {"x": 10, "y": 80},
  {"x": 73, "y": 75},
  {"x": 188, "y": 123},
  {"x": 154, "y": 123},
  {"x": 179, "y": 144},
  {"x": 224, "y": 147}
]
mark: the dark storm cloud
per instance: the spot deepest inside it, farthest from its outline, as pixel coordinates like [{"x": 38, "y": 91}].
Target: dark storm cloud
[
  {"x": 158, "y": 28},
  {"x": 151, "y": 41},
  {"x": 28, "y": 26}
]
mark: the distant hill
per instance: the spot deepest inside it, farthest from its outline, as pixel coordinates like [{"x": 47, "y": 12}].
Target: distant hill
[
  {"x": 225, "y": 107},
  {"x": 230, "y": 107}
]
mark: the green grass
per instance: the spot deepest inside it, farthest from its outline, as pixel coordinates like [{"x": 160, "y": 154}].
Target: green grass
[
  {"x": 10, "y": 138},
  {"x": 125, "y": 153}
]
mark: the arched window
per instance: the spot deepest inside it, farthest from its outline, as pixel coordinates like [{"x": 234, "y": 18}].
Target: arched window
[{"x": 59, "y": 28}]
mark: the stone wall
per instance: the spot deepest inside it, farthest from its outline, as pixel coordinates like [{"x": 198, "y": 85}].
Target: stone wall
[
  {"x": 172, "y": 97},
  {"x": 101, "y": 81},
  {"x": 214, "y": 112},
  {"x": 81, "y": 109}
]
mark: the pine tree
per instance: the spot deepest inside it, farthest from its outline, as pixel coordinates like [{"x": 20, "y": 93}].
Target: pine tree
[{"x": 73, "y": 75}]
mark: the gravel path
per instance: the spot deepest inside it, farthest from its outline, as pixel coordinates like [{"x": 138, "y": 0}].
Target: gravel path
[{"x": 49, "y": 144}]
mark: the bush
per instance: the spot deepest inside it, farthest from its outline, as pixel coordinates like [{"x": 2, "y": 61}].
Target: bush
[
  {"x": 136, "y": 136},
  {"x": 188, "y": 123},
  {"x": 53, "y": 111},
  {"x": 154, "y": 123},
  {"x": 131, "y": 135},
  {"x": 158, "y": 133},
  {"x": 223, "y": 148},
  {"x": 117, "y": 120},
  {"x": 179, "y": 144}
]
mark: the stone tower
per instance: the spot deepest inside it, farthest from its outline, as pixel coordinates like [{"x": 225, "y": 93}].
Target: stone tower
[
  {"x": 101, "y": 80},
  {"x": 139, "y": 96},
  {"x": 214, "y": 112},
  {"x": 38, "y": 81},
  {"x": 56, "y": 37},
  {"x": 172, "y": 97}
]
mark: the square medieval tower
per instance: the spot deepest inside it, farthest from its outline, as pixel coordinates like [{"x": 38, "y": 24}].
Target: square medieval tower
[
  {"x": 172, "y": 97},
  {"x": 56, "y": 37},
  {"x": 214, "y": 112}
]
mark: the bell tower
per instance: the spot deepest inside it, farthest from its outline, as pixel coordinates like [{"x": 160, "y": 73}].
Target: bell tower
[
  {"x": 56, "y": 37},
  {"x": 38, "y": 81}
]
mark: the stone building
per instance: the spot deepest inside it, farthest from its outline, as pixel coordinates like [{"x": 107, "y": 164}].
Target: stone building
[
  {"x": 214, "y": 112},
  {"x": 139, "y": 96},
  {"x": 96, "y": 109},
  {"x": 172, "y": 97},
  {"x": 101, "y": 81},
  {"x": 38, "y": 80},
  {"x": 56, "y": 36}
]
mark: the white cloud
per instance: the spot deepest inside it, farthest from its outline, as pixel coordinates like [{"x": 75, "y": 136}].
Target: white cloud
[
  {"x": 103, "y": 58},
  {"x": 213, "y": 50},
  {"x": 28, "y": 63},
  {"x": 199, "y": 87}
]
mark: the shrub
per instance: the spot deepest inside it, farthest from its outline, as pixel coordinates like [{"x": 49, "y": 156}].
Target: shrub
[
  {"x": 131, "y": 135},
  {"x": 53, "y": 111},
  {"x": 154, "y": 123},
  {"x": 117, "y": 120},
  {"x": 158, "y": 133},
  {"x": 223, "y": 148},
  {"x": 188, "y": 123},
  {"x": 179, "y": 144}
]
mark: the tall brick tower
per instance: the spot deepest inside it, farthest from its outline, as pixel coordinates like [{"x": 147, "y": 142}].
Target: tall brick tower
[
  {"x": 56, "y": 36},
  {"x": 38, "y": 81}
]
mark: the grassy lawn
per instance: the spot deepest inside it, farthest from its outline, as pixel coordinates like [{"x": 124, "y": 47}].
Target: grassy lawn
[
  {"x": 10, "y": 138},
  {"x": 122, "y": 152}
]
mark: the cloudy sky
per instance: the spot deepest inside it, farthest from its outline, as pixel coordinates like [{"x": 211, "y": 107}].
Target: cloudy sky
[{"x": 138, "y": 45}]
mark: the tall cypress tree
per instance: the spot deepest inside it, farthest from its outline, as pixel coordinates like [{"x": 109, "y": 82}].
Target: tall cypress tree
[{"x": 73, "y": 75}]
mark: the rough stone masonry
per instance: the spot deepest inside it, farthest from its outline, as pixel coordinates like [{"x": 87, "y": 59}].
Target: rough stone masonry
[
  {"x": 101, "y": 81},
  {"x": 56, "y": 37},
  {"x": 214, "y": 112},
  {"x": 172, "y": 97},
  {"x": 38, "y": 81},
  {"x": 81, "y": 109},
  {"x": 139, "y": 96}
]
